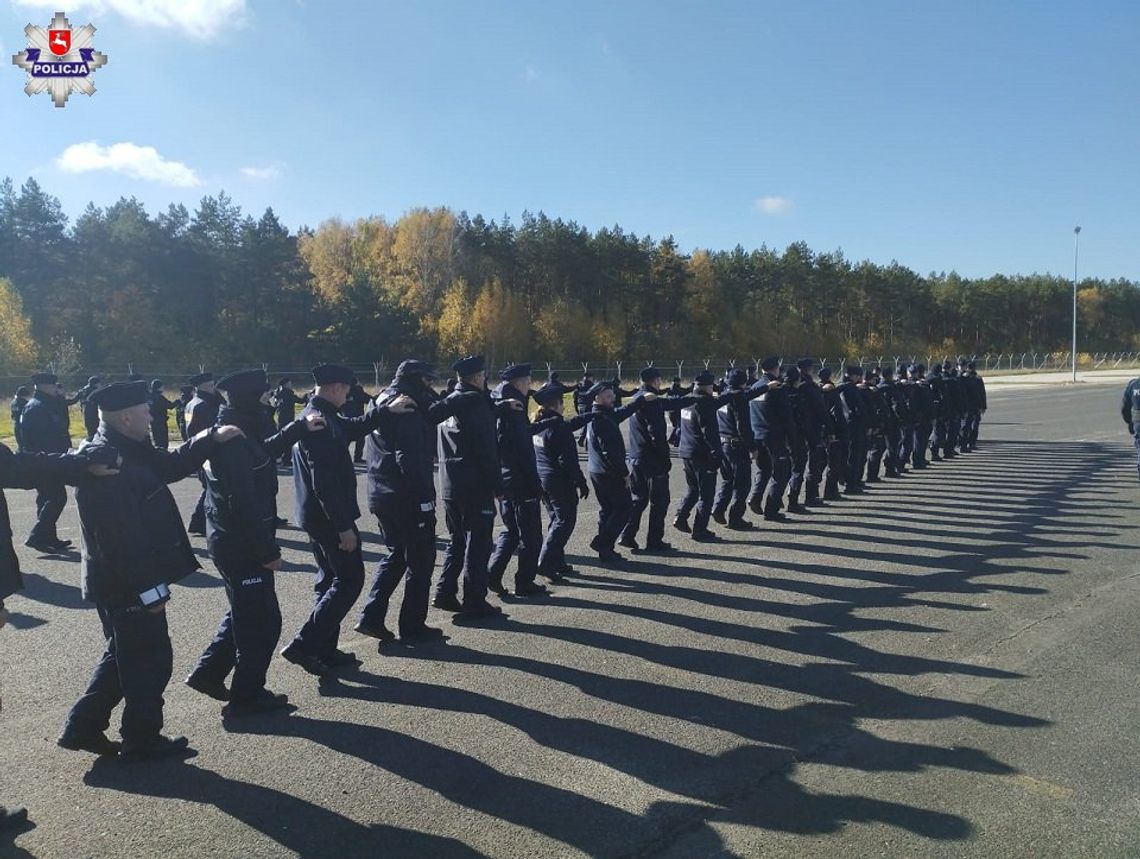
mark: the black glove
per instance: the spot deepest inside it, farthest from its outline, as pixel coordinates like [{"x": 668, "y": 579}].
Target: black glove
[{"x": 583, "y": 490}]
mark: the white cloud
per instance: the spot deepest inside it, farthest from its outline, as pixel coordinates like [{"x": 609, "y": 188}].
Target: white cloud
[
  {"x": 267, "y": 173},
  {"x": 773, "y": 205},
  {"x": 136, "y": 162},
  {"x": 530, "y": 73},
  {"x": 198, "y": 19}
]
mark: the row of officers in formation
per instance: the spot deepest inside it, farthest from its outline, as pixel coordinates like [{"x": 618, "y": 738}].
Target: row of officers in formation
[{"x": 781, "y": 440}]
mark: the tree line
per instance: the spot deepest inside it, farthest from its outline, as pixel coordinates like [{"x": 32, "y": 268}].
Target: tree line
[{"x": 221, "y": 287}]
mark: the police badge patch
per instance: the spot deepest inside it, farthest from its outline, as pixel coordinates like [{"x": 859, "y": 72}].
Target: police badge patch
[{"x": 59, "y": 60}]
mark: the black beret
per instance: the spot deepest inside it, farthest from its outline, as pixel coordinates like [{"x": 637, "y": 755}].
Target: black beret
[
  {"x": 45, "y": 379},
  {"x": 156, "y": 384},
  {"x": 936, "y": 369},
  {"x": 971, "y": 366},
  {"x": 737, "y": 377},
  {"x": 853, "y": 370},
  {"x": 792, "y": 374},
  {"x": 285, "y": 380},
  {"x": 549, "y": 393},
  {"x": 469, "y": 366},
  {"x": 806, "y": 363},
  {"x": 887, "y": 372},
  {"x": 824, "y": 373},
  {"x": 201, "y": 378},
  {"x": 770, "y": 363},
  {"x": 919, "y": 368},
  {"x": 704, "y": 378},
  {"x": 245, "y": 383},
  {"x": 412, "y": 367},
  {"x": 515, "y": 371},
  {"x": 186, "y": 389},
  {"x": 598, "y": 388},
  {"x": 962, "y": 362},
  {"x": 120, "y": 395},
  {"x": 649, "y": 374},
  {"x": 332, "y": 374}
]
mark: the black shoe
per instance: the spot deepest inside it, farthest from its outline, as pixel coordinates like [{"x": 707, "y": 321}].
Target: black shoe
[
  {"x": 596, "y": 544},
  {"x": 280, "y": 522},
  {"x": 447, "y": 603},
  {"x": 814, "y": 502},
  {"x": 12, "y": 816},
  {"x": 705, "y": 536},
  {"x": 659, "y": 548},
  {"x": 568, "y": 571},
  {"x": 484, "y": 610},
  {"x": 629, "y": 544},
  {"x": 424, "y": 633},
  {"x": 60, "y": 545},
  {"x": 756, "y": 505},
  {"x": 42, "y": 546},
  {"x": 855, "y": 490},
  {"x": 682, "y": 525},
  {"x": 265, "y": 703},
  {"x": 873, "y": 480},
  {"x": 775, "y": 517},
  {"x": 497, "y": 586},
  {"x": 308, "y": 661},
  {"x": 381, "y": 632},
  {"x": 797, "y": 508},
  {"x": 339, "y": 658},
  {"x": 151, "y": 750},
  {"x": 553, "y": 576},
  {"x": 97, "y": 744},
  {"x": 609, "y": 556},
  {"x": 530, "y": 589},
  {"x": 832, "y": 496},
  {"x": 719, "y": 517},
  {"x": 740, "y": 525},
  {"x": 215, "y": 689}
]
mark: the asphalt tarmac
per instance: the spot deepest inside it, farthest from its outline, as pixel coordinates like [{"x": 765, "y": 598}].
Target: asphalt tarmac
[{"x": 947, "y": 666}]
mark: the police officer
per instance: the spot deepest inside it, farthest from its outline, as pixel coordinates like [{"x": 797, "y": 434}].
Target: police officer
[
  {"x": 325, "y": 484},
  {"x": 737, "y": 445},
  {"x": 354, "y": 408},
  {"x": 582, "y": 402},
  {"x": 241, "y": 506},
  {"x": 940, "y": 412},
  {"x": 23, "y": 394},
  {"x": 401, "y": 495},
  {"x": 815, "y": 422},
  {"x": 702, "y": 458},
  {"x": 90, "y": 411},
  {"x": 43, "y": 429},
  {"x": 609, "y": 472},
  {"x": 956, "y": 399},
  {"x": 649, "y": 463},
  {"x": 522, "y": 489},
  {"x": 877, "y": 420},
  {"x": 905, "y": 391},
  {"x": 159, "y": 406},
  {"x": 563, "y": 483},
  {"x": 922, "y": 415},
  {"x": 201, "y": 413},
  {"x": 835, "y": 434},
  {"x": 186, "y": 394},
  {"x": 285, "y": 402},
  {"x": 773, "y": 427},
  {"x": 798, "y": 442},
  {"x": 1130, "y": 412},
  {"x": 134, "y": 547},
  {"x": 855, "y": 409},
  {"x": 976, "y": 398},
  {"x": 470, "y": 482},
  {"x": 676, "y": 389}
]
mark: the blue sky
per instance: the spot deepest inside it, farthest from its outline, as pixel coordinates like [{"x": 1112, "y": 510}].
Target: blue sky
[{"x": 947, "y": 135}]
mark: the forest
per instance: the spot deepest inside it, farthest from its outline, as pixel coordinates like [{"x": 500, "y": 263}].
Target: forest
[{"x": 224, "y": 288}]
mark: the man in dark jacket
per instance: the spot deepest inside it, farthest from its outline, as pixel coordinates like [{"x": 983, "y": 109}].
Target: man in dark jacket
[
  {"x": 608, "y": 469},
  {"x": 241, "y": 507},
  {"x": 43, "y": 429},
  {"x": 702, "y": 458},
  {"x": 736, "y": 442},
  {"x": 940, "y": 412},
  {"x": 799, "y": 447},
  {"x": 563, "y": 483},
  {"x": 773, "y": 430},
  {"x": 201, "y": 413},
  {"x": 650, "y": 460},
  {"x": 186, "y": 394},
  {"x": 353, "y": 408},
  {"x": 519, "y": 506},
  {"x": 855, "y": 408},
  {"x": 835, "y": 436},
  {"x": 877, "y": 420},
  {"x": 285, "y": 402},
  {"x": 134, "y": 547},
  {"x": 23, "y": 394},
  {"x": 159, "y": 406},
  {"x": 325, "y": 484},
  {"x": 922, "y": 414},
  {"x": 470, "y": 482},
  {"x": 90, "y": 410},
  {"x": 582, "y": 401},
  {"x": 1130, "y": 412},
  {"x": 401, "y": 495}
]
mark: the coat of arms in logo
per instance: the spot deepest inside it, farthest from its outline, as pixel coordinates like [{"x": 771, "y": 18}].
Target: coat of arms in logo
[{"x": 59, "y": 60}]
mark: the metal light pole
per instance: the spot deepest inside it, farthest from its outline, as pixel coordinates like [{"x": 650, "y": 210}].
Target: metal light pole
[{"x": 1076, "y": 250}]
